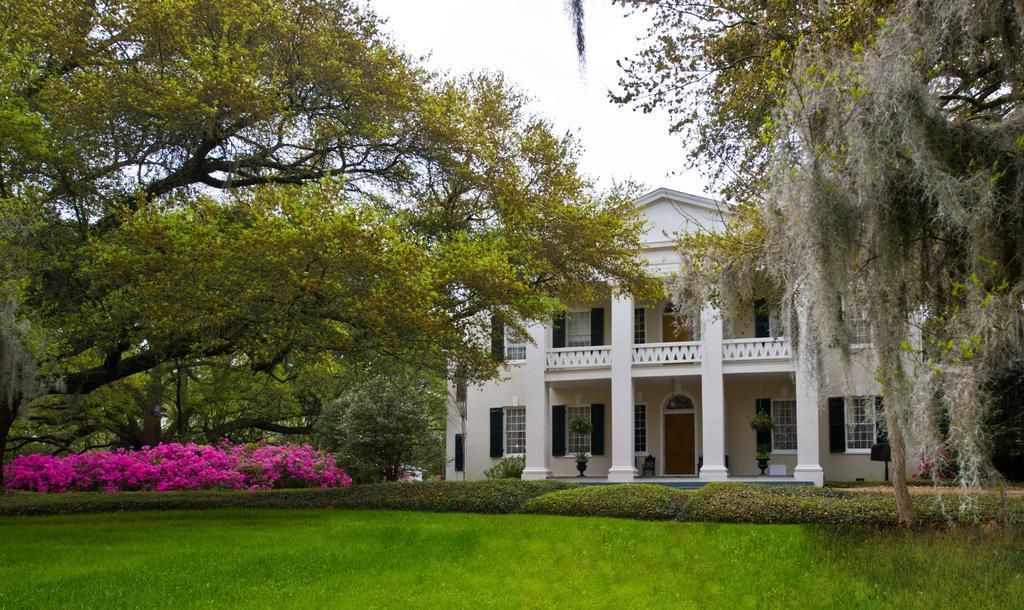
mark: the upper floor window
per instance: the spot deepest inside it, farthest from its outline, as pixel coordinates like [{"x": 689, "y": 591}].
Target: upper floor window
[
  {"x": 672, "y": 331},
  {"x": 515, "y": 348},
  {"x": 639, "y": 326},
  {"x": 857, "y": 322},
  {"x": 578, "y": 328},
  {"x": 775, "y": 323},
  {"x": 860, "y": 422},
  {"x": 784, "y": 428},
  {"x": 860, "y": 330},
  {"x": 767, "y": 320}
]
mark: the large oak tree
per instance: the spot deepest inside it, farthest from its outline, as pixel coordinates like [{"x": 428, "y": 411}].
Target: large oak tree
[{"x": 258, "y": 180}]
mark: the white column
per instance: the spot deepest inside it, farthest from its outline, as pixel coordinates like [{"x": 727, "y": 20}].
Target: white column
[
  {"x": 712, "y": 396},
  {"x": 538, "y": 412},
  {"x": 808, "y": 466},
  {"x": 623, "y": 467}
]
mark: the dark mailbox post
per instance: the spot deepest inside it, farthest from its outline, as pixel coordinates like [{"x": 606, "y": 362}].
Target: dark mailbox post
[{"x": 881, "y": 452}]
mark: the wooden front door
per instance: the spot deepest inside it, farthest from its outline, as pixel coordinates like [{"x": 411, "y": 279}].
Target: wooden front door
[
  {"x": 679, "y": 444},
  {"x": 672, "y": 332}
]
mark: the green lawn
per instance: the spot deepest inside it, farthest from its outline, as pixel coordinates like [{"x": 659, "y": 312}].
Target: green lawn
[{"x": 318, "y": 558}]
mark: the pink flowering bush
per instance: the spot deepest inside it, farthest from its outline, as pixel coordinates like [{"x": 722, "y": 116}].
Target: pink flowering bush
[
  {"x": 175, "y": 466},
  {"x": 944, "y": 467}
]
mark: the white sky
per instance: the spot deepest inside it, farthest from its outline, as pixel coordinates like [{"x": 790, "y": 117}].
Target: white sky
[{"x": 532, "y": 42}]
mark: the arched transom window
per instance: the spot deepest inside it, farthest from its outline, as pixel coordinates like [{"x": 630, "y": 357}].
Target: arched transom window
[{"x": 679, "y": 403}]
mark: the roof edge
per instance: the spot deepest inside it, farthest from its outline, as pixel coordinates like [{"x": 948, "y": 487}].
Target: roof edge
[{"x": 678, "y": 196}]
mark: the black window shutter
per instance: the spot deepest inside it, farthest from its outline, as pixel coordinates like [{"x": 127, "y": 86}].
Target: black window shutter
[
  {"x": 762, "y": 321},
  {"x": 558, "y": 430},
  {"x": 460, "y": 458},
  {"x": 763, "y": 405},
  {"x": 837, "y": 424},
  {"x": 597, "y": 326},
  {"x": 497, "y": 339},
  {"x": 558, "y": 331},
  {"x": 497, "y": 423},
  {"x": 881, "y": 432},
  {"x": 597, "y": 434}
]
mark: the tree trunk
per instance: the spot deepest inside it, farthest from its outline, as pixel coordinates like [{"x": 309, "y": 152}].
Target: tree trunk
[
  {"x": 904, "y": 506},
  {"x": 7, "y": 415}
]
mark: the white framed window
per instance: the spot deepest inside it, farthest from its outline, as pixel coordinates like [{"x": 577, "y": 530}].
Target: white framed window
[
  {"x": 858, "y": 324},
  {"x": 515, "y": 348},
  {"x": 575, "y": 442},
  {"x": 775, "y": 323},
  {"x": 639, "y": 428},
  {"x": 639, "y": 326},
  {"x": 515, "y": 430},
  {"x": 860, "y": 329},
  {"x": 860, "y": 423},
  {"x": 784, "y": 428},
  {"x": 577, "y": 332}
]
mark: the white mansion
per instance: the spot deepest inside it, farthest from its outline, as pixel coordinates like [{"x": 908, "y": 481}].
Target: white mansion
[{"x": 655, "y": 393}]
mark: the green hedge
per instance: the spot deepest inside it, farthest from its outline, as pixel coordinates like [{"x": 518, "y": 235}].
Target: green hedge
[
  {"x": 472, "y": 497},
  {"x": 716, "y": 502},
  {"x": 491, "y": 496},
  {"x": 650, "y": 502},
  {"x": 740, "y": 503},
  {"x": 33, "y": 503}
]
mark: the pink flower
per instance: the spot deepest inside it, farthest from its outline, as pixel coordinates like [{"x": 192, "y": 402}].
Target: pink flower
[{"x": 174, "y": 466}]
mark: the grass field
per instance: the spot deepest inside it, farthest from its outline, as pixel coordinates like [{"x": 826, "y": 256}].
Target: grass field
[{"x": 323, "y": 558}]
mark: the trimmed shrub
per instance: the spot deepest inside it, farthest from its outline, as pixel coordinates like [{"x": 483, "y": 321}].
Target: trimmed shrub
[
  {"x": 507, "y": 468},
  {"x": 434, "y": 496},
  {"x": 653, "y": 503},
  {"x": 637, "y": 501},
  {"x": 740, "y": 503},
  {"x": 31, "y": 503},
  {"x": 491, "y": 496}
]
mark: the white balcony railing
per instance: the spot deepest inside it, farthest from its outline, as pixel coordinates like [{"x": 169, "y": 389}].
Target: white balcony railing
[
  {"x": 755, "y": 349},
  {"x": 579, "y": 357},
  {"x": 667, "y": 353}
]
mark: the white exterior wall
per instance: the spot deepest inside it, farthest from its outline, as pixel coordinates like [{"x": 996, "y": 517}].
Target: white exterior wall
[{"x": 723, "y": 390}]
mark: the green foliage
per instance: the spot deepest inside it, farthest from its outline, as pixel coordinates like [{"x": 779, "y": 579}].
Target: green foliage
[
  {"x": 275, "y": 186},
  {"x": 507, "y": 468},
  {"x": 649, "y": 502},
  {"x": 719, "y": 67},
  {"x": 492, "y": 496},
  {"x": 762, "y": 421},
  {"x": 741, "y": 503},
  {"x": 31, "y": 503},
  {"x": 388, "y": 421},
  {"x": 715, "y": 502},
  {"x": 1006, "y": 420},
  {"x": 434, "y": 496},
  {"x": 581, "y": 425}
]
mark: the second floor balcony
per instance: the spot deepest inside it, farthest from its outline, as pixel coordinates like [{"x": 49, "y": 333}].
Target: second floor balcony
[
  {"x": 673, "y": 353},
  {"x": 580, "y": 341}
]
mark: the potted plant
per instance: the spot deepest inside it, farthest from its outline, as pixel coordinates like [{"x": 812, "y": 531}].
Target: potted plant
[
  {"x": 762, "y": 422},
  {"x": 583, "y": 427},
  {"x": 764, "y": 453}
]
